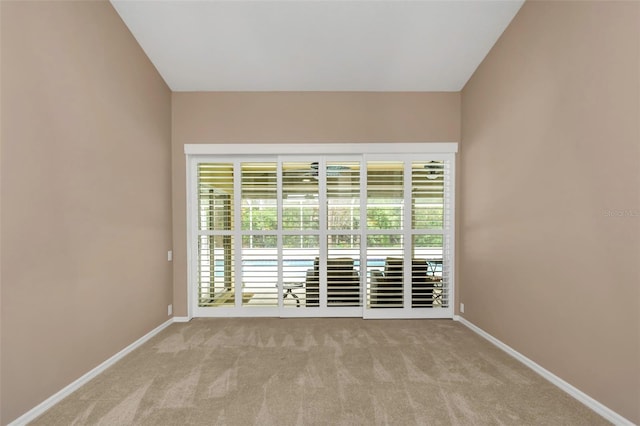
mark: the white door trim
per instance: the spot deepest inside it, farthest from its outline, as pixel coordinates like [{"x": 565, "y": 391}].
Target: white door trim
[{"x": 367, "y": 151}]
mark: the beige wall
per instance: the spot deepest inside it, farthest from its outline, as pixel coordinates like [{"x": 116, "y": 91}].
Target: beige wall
[
  {"x": 550, "y": 149},
  {"x": 297, "y": 117},
  {"x": 86, "y": 202}
]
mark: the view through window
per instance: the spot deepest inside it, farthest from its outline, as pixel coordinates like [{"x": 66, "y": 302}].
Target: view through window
[{"x": 323, "y": 233}]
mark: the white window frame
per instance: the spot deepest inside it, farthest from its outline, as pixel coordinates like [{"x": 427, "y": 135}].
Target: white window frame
[{"x": 196, "y": 153}]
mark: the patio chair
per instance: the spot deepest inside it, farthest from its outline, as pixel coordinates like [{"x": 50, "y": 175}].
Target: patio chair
[
  {"x": 387, "y": 285},
  {"x": 343, "y": 283}
]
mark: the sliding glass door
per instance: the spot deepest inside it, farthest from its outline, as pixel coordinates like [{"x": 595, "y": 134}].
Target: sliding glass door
[{"x": 321, "y": 235}]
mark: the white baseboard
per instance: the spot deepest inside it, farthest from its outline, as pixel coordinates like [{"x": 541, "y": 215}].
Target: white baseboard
[
  {"x": 594, "y": 405},
  {"x": 68, "y": 390},
  {"x": 181, "y": 319}
]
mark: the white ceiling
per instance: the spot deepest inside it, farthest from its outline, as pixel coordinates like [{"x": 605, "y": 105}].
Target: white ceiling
[{"x": 316, "y": 45}]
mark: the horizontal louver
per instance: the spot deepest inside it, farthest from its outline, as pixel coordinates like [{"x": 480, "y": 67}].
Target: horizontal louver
[
  {"x": 259, "y": 272},
  {"x": 300, "y": 204},
  {"x": 447, "y": 243},
  {"x": 343, "y": 270},
  {"x": 385, "y": 195},
  {"x": 299, "y": 278},
  {"x": 427, "y": 194},
  {"x": 215, "y": 195},
  {"x": 427, "y": 290},
  {"x": 343, "y": 196},
  {"x": 385, "y": 270},
  {"x": 215, "y": 271},
  {"x": 259, "y": 189}
]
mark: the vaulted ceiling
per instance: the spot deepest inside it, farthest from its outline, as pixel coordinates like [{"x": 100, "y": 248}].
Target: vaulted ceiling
[{"x": 316, "y": 45}]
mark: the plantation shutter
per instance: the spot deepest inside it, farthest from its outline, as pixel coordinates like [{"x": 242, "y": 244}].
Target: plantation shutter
[{"x": 320, "y": 235}]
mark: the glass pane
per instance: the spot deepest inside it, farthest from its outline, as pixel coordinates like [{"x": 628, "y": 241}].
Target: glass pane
[
  {"x": 260, "y": 271},
  {"x": 385, "y": 195},
  {"x": 215, "y": 271},
  {"x": 215, "y": 196},
  {"x": 259, "y": 197},
  {"x": 427, "y": 194},
  {"x": 385, "y": 256},
  {"x": 300, "y": 283},
  {"x": 300, "y": 203},
  {"x": 343, "y": 195},
  {"x": 343, "y": 270},
  {"x": 428, "y": 287}
]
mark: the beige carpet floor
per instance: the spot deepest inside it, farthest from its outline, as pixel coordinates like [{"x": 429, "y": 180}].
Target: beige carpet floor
[{"x": 318, "y": 372}]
